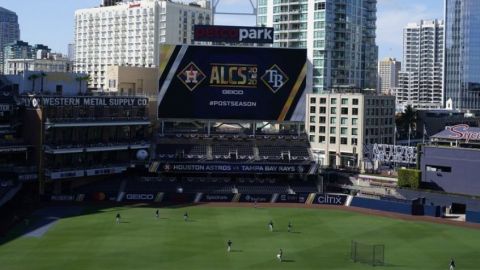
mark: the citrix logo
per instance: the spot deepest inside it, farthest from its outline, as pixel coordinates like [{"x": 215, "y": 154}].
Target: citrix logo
[{"x": 327, "y": 199}]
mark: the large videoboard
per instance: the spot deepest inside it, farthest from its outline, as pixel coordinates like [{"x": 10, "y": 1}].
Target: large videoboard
[{"x": 232, "y": 83}]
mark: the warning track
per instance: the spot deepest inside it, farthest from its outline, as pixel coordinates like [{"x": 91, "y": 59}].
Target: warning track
[{"x": 347, "y": 209}]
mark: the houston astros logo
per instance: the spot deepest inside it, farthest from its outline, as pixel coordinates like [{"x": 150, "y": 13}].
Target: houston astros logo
[
  {"x": 191, "y": 76},
  {"x": 274, "y": 78}
]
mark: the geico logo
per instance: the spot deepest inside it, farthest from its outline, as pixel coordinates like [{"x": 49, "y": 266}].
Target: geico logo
[
  {"x": 255, "y": 34},
  {"x": 326, "y": 199},
  {"x": 232, "y": 92},
  {"x": 139, "y": 197}
]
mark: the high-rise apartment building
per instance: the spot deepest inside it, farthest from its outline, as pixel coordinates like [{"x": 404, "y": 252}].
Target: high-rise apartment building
[
  {"x": 130, "y": 34},
  {"x": 71, "y": 51},
  {"x": 21, "y": 56},
  {"x": 462, "y": 54},
  {"x": 9, "y": 31},
  {"x": 339, "y": 36},
  {"x": 388, "y": 69},
  {"x": 420, "y": 81}
]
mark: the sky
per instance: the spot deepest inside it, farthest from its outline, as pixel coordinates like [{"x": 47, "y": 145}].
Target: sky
[{"x": 51, "y": 22}]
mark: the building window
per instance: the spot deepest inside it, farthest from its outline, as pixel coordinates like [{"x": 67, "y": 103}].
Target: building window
[
  {"x": 355, "y": 121},
  {"x": 312, "y": 109},
  {"x": 344, "y": 111},
  {"x": 312, "y": 119},
  {"x": 343, "y": 140},
  {"x": 321, "y": 139},
  {"x": 355, "y": 101},
  {"x": 343, "y": 131},
  {"x": 333, "y": 120},
  {"x": 323, "y": 120},
  {"x": 354, "y": 141},
  {"x": 323, "y": 100},
  {"x": 321, "y": 129},
  {"x": 312, "y": 128},
  {"x": 344, "y": 121},
  {"x": 344, "y": 101},
  {"x": 333, "y": 101},
  {"x": 433, "y": 168},
  {"x": 323, "y": 109},
  {"x": 313, "y": 100},
  {"x": 354, "y": 111},
  {"x": 354, "y": 131},
  {"x": 312, "y": 138},
  {"x": 333, "y": 110},
  {"x": 332, "y": 140}
]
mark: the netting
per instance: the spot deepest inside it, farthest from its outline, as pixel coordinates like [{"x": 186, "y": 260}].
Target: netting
[{"x": 367, "y": 253}]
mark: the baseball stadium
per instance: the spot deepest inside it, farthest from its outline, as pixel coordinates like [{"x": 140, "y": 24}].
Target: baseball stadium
[{"x": 214, "y": 172}]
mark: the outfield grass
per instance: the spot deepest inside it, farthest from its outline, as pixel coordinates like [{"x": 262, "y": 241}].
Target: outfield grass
[{"x": 321, "y": 240}]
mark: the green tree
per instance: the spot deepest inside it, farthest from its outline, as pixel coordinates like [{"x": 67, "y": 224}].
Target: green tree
[
  {"x": 407, "y": 121},
  {"x": 42, "y": 76},
  {"x": 33, "y": 78},
  {"x": 81, "y": 79}
]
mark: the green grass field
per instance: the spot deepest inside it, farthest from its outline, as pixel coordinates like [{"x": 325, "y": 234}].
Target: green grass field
[{"x": 321, "y": 240}]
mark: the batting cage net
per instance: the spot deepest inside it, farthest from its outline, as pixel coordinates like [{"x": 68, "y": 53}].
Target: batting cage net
[{"x": 367, "y": 253}]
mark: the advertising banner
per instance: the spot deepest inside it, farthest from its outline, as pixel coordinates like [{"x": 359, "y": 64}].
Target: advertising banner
[
  {"x": 52, "y": 101},
  {"x": 232, "y": 168},
  {"x": 332, "y": 199},
  {"x": 216, "y": 198},
  {"x": 179, "y": 197},
  {"x": 232, "y": 83},
  {"x": 233, "y": 34},
  {"x": 259, "y": 198},
  {"x": 144, "y": 197},
  {"x": 292, "y": 198}
]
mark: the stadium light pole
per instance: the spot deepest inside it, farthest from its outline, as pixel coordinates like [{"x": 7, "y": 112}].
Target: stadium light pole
[{"x": 253, "y": 3}]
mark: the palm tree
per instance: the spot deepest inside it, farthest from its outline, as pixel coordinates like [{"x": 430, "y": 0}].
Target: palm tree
[
  {"x": 80, "y": 79},
  {"x": 407, "y": 120},
  {"x": 42, "y": 76},
  {"x": 33, "y": 78}
]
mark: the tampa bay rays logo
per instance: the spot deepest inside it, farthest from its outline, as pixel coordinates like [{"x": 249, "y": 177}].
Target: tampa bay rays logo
[
  {"x": 191, "y": 76},
  {"x": 274, "y": 78}
]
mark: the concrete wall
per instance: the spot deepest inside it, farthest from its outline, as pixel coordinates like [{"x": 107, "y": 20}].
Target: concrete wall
[
  {"x": 132, "y": 80},
  {"x": 459, "y": 172}
]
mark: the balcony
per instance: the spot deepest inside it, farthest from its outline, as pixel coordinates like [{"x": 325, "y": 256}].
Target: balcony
[
  {"x": 67, "y": 173},
  {"x": 96, "y": 122},
  {"x": 96, "y": 147}
]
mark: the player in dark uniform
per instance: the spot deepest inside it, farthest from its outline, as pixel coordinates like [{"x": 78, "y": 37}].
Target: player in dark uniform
[
  {"x": 117, "y": 218},
  {"x": 289, "y": 226},
  {"x": 452, "y": 264},
  {"x": 270, "y": 225},
  {"x": 157, "y": 214},
  {"x": 185, "y": 216},
  {"x": 229, "y": 245}
]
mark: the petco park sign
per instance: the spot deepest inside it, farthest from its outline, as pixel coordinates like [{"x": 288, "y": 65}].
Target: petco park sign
[{"x": 233, "y": 34}]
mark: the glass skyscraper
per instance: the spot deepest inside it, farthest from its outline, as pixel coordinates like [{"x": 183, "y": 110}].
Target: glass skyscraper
[
  {"x": 462, "y": 54},
  {"x": 339, "y": 36},
  {"x": 9, "y": 31}
]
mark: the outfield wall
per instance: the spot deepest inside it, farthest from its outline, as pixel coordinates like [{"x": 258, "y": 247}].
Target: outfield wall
[{"x": 383, "y": 205}]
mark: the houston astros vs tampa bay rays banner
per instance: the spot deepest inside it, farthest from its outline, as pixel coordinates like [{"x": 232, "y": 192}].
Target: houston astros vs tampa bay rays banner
[{"x": 236, "y": 83}]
